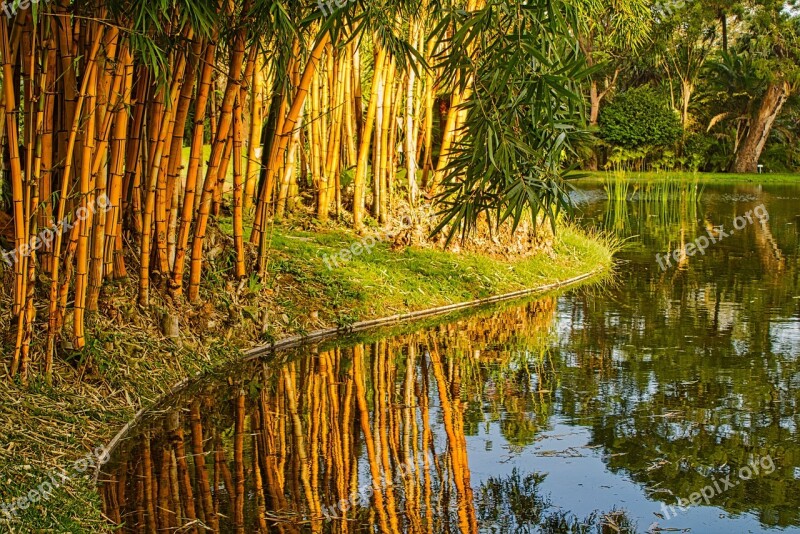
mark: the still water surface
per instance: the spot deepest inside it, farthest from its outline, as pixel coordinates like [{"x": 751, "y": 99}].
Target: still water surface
[{"x": 587, "y": 411}]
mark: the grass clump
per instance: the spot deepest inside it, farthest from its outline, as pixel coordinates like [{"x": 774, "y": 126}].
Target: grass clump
[
  {"x": 382, "y": 281},
  {"x": 707, "y": 177}
]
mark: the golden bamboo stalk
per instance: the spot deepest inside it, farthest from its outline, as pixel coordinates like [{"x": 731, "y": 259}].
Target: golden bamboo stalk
[
  {"x": 212, "y": 178},
  {"x": 195, "y": 158},
  {"x": 361, "y": 167}
]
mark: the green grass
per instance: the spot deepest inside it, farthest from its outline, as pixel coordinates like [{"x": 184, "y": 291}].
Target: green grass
[
  {"x": 720, "y": 178},
  {"x": 382, "y": 282}
]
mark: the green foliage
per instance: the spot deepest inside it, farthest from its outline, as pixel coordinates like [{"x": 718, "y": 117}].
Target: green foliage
[
  {"x": 735, "y": 75},
  {"x": 773, "y": 40},
  {"x": 522, "y": 64},
  {"x": 612, "y": 30},
  {"x": 783, "y": 150},
  {"x": 716, "y": 57},
  {"x": 626, "y": 159},
  {"x": 766, "y": 52},
  {"x": 698, "y": 145},
  {"x": 639, "y": 118}
]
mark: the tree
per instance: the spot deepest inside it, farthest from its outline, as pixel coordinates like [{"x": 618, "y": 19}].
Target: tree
[
  {"x": 639, "y": 118},
  {"x": 763, "y": 68},
  {"x": 774, "y": 40},
  {"x": 610, "y": 32},
  {"x": 684, "y": 42}
]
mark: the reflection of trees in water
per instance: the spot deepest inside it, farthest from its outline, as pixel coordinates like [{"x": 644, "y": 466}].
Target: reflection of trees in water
[
  {"x": 506, "y": 361},
  {"x": 275, "y": 451},
  {"x": 678, "y": 372},
  {"x": 671, "y": 407},
  {"x": 516, "y": 503},
  {"x": 652, "y": 369},
  {"x": 664, "y": 214},
  {"x": 283, "y": 445}
]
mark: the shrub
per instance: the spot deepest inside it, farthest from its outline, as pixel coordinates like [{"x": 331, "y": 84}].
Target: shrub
[
  {"x": 639, "y": 118},
  {"x": 697, "y": 149}
]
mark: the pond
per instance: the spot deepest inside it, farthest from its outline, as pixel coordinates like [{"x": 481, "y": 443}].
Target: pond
[{"x": 662, "y": 401}]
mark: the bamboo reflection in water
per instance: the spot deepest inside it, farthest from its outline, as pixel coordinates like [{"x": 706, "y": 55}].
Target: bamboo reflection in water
[{"x": 370, "y": 437}]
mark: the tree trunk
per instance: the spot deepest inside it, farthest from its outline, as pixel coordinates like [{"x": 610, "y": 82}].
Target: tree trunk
[
  {"x": 760, "y": 127},
  {"x": 594, "y": 98},
  {"x": 252, "y": 169},
  {"x": 687, "y": 88}
]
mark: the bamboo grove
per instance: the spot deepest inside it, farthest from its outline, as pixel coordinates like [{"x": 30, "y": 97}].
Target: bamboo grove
[
  {"x": 129, "y": 131},
  {"x": 385, "y": 449}
]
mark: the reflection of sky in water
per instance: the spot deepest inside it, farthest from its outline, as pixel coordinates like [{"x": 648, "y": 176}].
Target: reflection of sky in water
[
  {"x": 740, "y": 347},
  {"x": 727, "y": 315},
  {"x": 579, "y": 481},
  {"x": 788, "y": 424},
  {"x": 785, "y": 338}
]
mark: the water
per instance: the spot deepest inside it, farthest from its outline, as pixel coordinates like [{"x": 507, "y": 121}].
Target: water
[{"x": 593, "y": 410}]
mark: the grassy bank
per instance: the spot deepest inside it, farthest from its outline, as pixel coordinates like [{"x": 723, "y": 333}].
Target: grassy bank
[
  {"x": 711, "y": 177},
  {"x": 129, "y": 363}
]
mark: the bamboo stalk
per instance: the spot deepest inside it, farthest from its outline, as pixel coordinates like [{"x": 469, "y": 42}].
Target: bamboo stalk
[
  {"x": 84, "y": 214},
  {"x": 212, "y": 178},
  {"x": 254, "y": 136},
  {"x": 108, "y": 99},
  {"x": 238, "y": 191},
  {"x": 16, "y": 173},
  {"x": 195, "y": 157},
  {"x": 117, "y": 161},
  {"x": 361, "y": 167}
]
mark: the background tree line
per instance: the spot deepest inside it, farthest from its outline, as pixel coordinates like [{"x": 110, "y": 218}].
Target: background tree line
[{"x": 711, "y": 86}]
